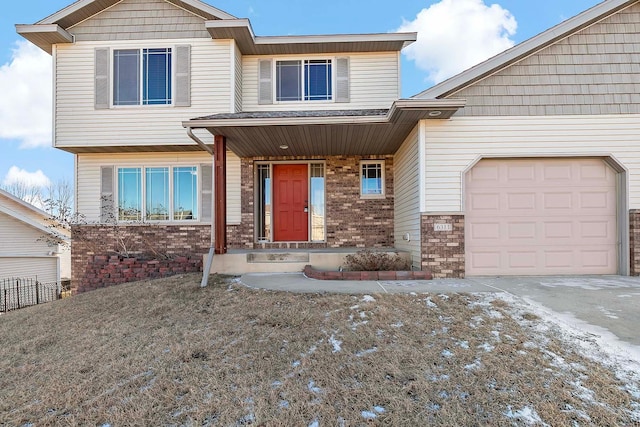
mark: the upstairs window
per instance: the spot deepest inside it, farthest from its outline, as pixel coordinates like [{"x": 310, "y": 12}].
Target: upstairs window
[
  {"x": 142, "y": 77},
  {"x": 308, "y": 80}
]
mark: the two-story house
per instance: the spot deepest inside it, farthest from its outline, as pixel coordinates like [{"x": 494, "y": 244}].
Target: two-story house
[
  {"x": 304, "y": 130},
  {"x": 299, "y": 148}
]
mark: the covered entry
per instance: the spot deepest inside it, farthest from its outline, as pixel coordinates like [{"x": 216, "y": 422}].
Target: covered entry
[{"x": 541, "y": 216}]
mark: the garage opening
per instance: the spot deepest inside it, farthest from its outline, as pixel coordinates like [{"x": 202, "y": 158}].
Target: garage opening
[{"x": 541, "y": 216}]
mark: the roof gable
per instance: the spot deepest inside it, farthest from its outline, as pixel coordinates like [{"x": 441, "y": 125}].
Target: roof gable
[
  {"x": 141, "y": 20},
  {"x": 82, "y": 10},
  {"x": 28, "y": 214},
  {"x": 526, "y": 49}
]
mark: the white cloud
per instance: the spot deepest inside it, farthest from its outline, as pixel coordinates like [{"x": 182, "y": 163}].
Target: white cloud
[
  {"x": 26, "y": 178},
  {"x": 454, "y": 35},
  {"x": 25, "y": 101}
]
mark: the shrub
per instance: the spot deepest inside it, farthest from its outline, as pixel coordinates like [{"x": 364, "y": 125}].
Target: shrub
[{"x": 367, "y": 260}]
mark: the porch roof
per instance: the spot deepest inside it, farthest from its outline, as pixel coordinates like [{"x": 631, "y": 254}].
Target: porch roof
[{"x": 325, "y": 132}]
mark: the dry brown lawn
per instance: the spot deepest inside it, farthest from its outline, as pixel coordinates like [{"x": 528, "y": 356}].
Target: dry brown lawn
[{"x": 167, "y": 352}]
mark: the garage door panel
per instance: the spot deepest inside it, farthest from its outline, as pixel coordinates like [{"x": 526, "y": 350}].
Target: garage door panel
[{"x": 547, "y": 216}]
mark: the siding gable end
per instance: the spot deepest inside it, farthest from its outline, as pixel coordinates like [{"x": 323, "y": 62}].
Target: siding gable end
[
  {"x": 593, "y": 71},
  {"x": 141, "y": 20}
]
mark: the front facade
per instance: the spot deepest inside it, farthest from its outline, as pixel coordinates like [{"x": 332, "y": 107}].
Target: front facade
[
  {"x": 31, "y": 247},
  {"x": 182, "y": 120},
  {"x": 539, "y": 173},
  {"x": 190, "y": 132}
]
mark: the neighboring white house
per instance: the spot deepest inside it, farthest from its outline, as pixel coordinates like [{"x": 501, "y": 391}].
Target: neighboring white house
[{"x": 27, "y": 248}]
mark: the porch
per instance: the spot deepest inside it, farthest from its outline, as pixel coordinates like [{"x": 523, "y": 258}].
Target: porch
[{"x": 241, "y": 261}]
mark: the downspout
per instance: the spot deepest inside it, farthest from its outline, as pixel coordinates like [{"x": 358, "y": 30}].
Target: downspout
[{"x": 207, "y": 267}]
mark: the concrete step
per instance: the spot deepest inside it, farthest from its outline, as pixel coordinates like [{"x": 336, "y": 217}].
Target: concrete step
[{"x": 277, "y": 257}]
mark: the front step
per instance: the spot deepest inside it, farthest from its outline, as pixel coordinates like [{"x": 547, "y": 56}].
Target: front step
[
  {"x": 279, "y": 261},
  {"x": 277, "y": 257}
]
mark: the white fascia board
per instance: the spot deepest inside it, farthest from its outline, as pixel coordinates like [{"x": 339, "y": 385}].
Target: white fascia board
[
  {"x": 339, "y": 38},
  {"x": 524, "y": 49}
]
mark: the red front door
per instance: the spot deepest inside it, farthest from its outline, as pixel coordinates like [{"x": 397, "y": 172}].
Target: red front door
[{"x": 290, "y": 203}]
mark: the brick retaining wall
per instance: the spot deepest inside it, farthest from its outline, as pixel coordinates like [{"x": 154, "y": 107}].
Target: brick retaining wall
[{"x": 173, "y": 248}]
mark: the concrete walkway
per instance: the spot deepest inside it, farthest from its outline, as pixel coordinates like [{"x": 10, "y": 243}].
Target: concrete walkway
[{"x": 605, "y": 306}]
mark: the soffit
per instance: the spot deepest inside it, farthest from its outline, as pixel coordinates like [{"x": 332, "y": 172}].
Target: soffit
[{"x": 323, "y": 133}]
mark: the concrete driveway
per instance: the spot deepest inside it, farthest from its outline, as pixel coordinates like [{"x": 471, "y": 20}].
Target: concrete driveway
[{"x": 607, "y": 307}]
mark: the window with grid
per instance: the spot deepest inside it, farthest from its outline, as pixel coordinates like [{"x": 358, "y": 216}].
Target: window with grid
[
  {"x": 158, "y": 193},
  {"x": 372, "y": 178},
  {"x": 142, "y": 77},
  {"x": 308, "y": 80}
]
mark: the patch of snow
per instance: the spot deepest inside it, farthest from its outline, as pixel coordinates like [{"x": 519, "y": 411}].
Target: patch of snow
[
  {"x": 354, "y": 307},
  {"x": 496, "y": 334},
  {"x": 433, "y": 407},
  {"x": 379, "y": 409},
  {"x": 530, "y": 345},
  {"x": 464, "y": 344},
  {"x": 607, "y": 313},
  {"x": 314, "y": 423},
  {"x": 295, "y": 363},
  {"x": 335, "y": 343},
  {"x": 368, "y": 298},
  {"x": 526, "y": 415},
  {"x": 430, "y": 303},
  {"x": 486, "y": 347},
  {"x": 283, "y": 404},
  {"x": 365, "y": 352},
  {"x": 435, "y": 378},
  {"x": 397, "y": 325},
  {"x": 443, "y": 297},
  {"x": 413, "y": 294},
  {"x": 443, "y": 394},
  {"x": 625, "y": 296},
  {"x": 313, "y": 388},
  {"x": 495, "y": 314},
  {"x": 363, "y": 315},
  {"x": 369, "y": 415},
  {"x": 473, "y": 366},
  {"x": 447, "y": 354},
  {"x": 276, "y": 384}
]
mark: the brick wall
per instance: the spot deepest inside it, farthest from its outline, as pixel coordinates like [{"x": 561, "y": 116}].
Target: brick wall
[
  {"x": 103, "y": 271},
  {"x": 90, "y": 244},
  {"x": 634, "y": 242},
  {"x": 351, "y": 221},
  {"x": 443, "y": 251}
]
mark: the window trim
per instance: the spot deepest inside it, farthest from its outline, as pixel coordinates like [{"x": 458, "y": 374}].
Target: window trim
[
  {"x": 383, "y": 193},
  {"x": 141, "y": 104},
  {"x": 274, "y": 84},
  {"x": 143, "y": 184}
]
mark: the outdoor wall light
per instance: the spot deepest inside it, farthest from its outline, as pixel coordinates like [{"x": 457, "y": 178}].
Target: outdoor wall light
[
  {"x": 435, "y": 113},
  {"x": 284, "y": 147}
]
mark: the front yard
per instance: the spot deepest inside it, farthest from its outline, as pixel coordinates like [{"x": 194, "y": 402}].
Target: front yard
[{"x": 166, "y": 352}]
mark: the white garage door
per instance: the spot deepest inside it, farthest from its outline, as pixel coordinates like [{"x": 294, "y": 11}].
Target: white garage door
[{"x": 540, "y": 217}]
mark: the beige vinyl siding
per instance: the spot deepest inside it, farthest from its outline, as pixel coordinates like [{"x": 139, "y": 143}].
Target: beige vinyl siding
[
  {"x": 452, "y": 146},
  {"x": 594, "y": 71},
  {"x": 373, "y": 80},
  {"x": 141, "y": 20},
  {"x": 238, "y": 78},
  {"x": 407, "y": 197},
  {"x": 78, "y": 124},
  {"x": 20, "y": 238},
  {"x": 88, "y": 177}
]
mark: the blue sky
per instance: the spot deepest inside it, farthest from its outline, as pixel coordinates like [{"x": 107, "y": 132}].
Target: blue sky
[{"x": 448, "y": 30}]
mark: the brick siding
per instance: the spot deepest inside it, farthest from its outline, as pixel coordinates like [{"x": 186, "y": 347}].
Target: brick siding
[
  {"x": 634, "y": 242},
  {"x": 443, "y": 251},
  {"x": 351, "y": 221}
]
